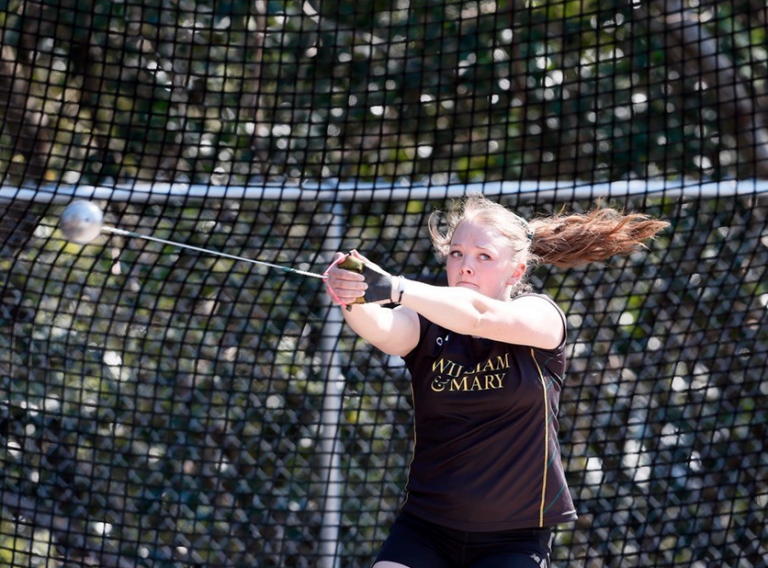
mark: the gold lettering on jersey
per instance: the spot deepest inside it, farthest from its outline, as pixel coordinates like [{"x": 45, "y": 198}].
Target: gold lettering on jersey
[
  {"x": 445, "y": 366},
  {"x": 501, "y": 362},
  {"x": 452, "y": 377},
  {"x": 459, "y": 384}
]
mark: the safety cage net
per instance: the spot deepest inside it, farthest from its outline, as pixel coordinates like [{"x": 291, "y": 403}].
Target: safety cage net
[{"x": 163, "y": 406}]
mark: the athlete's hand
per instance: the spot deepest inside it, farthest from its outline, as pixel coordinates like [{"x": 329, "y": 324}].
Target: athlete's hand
[
  {"x": 344, "y": 286},
  {"x": 353, "y": 279}
]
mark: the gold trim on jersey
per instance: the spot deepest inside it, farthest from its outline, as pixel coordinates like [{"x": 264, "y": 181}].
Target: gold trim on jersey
[{"x": 546, "y": 439}]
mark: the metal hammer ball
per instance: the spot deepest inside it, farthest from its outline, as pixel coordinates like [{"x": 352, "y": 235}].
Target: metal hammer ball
[{"x": 81, "y": 222}]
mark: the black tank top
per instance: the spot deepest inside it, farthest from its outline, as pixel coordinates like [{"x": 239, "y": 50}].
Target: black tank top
[{"x": 486, "y": 455}]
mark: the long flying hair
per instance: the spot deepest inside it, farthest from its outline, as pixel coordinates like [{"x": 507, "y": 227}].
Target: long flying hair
[{"x": 562, "y": 240}]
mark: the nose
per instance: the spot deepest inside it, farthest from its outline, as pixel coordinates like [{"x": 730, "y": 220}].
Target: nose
[{"x": 466, "y": 267}]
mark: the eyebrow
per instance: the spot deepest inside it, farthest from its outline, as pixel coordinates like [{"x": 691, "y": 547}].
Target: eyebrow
[{"x": 481, "y": 247}]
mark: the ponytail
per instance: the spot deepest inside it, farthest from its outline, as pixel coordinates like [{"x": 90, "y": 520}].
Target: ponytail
[{"x": 566, "y": 241}]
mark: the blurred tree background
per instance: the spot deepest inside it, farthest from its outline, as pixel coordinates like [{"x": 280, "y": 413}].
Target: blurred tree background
[
  {"x": 161, "y": 408},
  {"x": 225, "y": 92}
]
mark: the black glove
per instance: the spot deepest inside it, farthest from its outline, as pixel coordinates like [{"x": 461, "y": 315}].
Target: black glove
[{"x": 383, "y": 288}]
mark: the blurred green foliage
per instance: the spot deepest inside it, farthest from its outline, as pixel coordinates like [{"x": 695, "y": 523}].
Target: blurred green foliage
[{"x": 233, "y": 92}]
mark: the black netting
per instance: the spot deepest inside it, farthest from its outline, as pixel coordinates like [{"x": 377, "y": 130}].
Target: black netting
[{"x": 166, "y": 407}]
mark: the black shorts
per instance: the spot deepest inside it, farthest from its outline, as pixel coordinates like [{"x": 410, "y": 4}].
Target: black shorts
[{"x": 419, "y": 544}]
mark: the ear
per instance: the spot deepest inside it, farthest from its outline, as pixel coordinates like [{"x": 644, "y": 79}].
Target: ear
[{"x": 518, "y": 273}]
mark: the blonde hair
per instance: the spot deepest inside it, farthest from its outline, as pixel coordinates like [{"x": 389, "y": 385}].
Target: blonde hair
[{"x": 561, "y": 240}]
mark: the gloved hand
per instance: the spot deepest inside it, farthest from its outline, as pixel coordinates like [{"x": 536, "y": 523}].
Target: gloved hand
[{"x": 382, "y": 287}]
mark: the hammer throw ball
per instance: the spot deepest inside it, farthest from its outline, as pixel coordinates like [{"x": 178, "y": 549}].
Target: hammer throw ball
[{"x": 81, "y": 222}]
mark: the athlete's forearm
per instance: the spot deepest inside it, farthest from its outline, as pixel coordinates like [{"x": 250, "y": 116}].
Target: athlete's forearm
[
  {"x": 523, "y": 321},
  {"x": 370, "y": 321},
  {"x": 457, "y": 309},
  {"x": 395, "y": 332}
]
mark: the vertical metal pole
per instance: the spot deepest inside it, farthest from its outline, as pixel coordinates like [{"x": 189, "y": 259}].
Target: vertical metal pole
[{"x": 330, "y": 447}]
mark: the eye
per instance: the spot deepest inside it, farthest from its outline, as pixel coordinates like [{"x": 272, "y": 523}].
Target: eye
[{"x": 455, "y": 254}]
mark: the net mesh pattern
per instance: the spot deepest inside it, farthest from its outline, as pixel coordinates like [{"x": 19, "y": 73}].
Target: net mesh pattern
[{"x": 163, "y": 407}]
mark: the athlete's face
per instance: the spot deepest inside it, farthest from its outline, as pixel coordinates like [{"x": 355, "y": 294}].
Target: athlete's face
[{"x": 481, "y": 259}]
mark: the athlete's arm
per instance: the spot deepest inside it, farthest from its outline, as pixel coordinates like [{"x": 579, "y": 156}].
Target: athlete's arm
[
  {"x": 393, "y": 331},
  {"x": 526, "y": 320}
]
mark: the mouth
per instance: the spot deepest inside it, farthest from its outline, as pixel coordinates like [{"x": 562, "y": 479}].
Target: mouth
[{"x": 466, "y": 284}]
